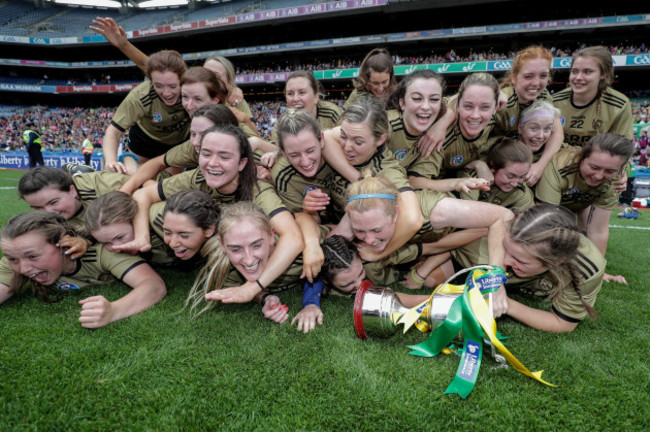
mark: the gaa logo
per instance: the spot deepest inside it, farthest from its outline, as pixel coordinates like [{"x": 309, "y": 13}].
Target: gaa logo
[
  {"x": 641, "y": 60},
  {"x": 400, "y": 154},
  {"x": 565, "y": 62},
  {"x": 456, "y": 160},
  {"x": 502, "y": 65},
  {"x": 156, "y": 117}
]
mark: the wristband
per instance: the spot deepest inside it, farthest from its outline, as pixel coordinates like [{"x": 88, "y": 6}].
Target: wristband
[
  {"x": 312, "y": 292},
  {"x": 413, "y": 273},
  {"x": 123, "y": 155},
  {"x": 263, "y": 298},
  {"x": 260, "y": 284}
]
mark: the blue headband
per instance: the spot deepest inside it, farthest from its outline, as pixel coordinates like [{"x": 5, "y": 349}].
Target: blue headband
[{"x": 371, "y": 195}]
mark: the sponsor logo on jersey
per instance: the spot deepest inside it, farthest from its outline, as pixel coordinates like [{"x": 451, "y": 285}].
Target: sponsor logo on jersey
[
  {"x": 156, "y": 117},
  {"x": 400, "y": 154},
  {"x": 570, "y": 192},
  {"x": 456, "y": 160},
  {"x": 511, "y": 120},
  {"x": 562, "y": 120}
]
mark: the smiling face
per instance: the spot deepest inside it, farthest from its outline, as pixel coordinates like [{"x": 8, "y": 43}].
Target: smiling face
[
  {"x": 303, "y": 151},
  {"x": 197, "y": 127},
  {"x": 194, "y": 96},
  {"x": 358, "y": 142},
  {"x": 348, "y": 280},
  {"x": 220, "y": 161},
  {"x": 53, "y": 200},
  {"x": 421, "y": 104},
  {"x": 299, "y": 94},
  {"x": 522, "y": 263},
  {"x": 600, "y": 167},
  {"x": 248, "y": 248},
  {"x": 378, "y": 83},
  {"x": 182, "y": 235},
  {"x": 373, "y": 227},
  {"x": 536, "y": 132},
  {"x": 532, "y": 79},
  {"x": 33, "y": 257},
  {"x": 475, "y": 109},
  {"x": 584, "y": 77},
  {"x": 167, "y": 85},
  {"x": 508, "y": 177},
  {"x": 114, "y": 234}
]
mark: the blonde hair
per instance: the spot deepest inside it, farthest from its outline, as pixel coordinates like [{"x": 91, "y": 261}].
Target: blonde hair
[
  {"x": 214, "y": 273},
  {"x": 372, "y": 185}
]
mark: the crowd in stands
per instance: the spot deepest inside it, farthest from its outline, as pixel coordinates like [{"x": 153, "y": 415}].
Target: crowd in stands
[
  {"x": 452, "y": 56},
  {"x": 64, "y": 129},
  {"x": 61, "y": 129}
]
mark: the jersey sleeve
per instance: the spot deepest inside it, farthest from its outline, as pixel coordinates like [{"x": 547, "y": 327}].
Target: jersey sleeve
[{"x": 130, "y": 110}]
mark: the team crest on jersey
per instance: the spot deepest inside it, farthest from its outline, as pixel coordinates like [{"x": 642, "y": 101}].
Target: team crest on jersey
[
  {"x": 307, "y": 189},
  {"x": 456, "y": 160},
  {"x": 562, "y": 120},
  {"x": 512, "y": 120},
  {"x": 573, "y": 191},
  {"x": 156, "y": 117},
  {"x": 105, "y": 277},
  {"x": 67, "y": 286},
  {"x": 400, "y": 154}
]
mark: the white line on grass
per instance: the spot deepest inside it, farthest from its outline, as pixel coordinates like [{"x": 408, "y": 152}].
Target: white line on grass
[
  {"x": 7, "y": 187},
  {"x": 630, "y": 227}
]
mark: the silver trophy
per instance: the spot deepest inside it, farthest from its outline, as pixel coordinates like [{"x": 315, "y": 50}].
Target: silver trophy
[{"x": 377, "y": 311}]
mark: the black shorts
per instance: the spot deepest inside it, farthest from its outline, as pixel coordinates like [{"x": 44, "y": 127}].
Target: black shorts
[{"x": 142, "y": 144}]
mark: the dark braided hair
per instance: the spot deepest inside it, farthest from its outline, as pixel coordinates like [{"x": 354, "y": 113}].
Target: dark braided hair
[
  {"x": 339, "y": 254},
  {"x": 198, "y": 206},
  {"x": 551, "y": 235}
]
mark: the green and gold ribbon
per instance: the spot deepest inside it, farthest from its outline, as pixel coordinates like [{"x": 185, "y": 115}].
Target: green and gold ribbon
[{"x": 470, "y": 313}]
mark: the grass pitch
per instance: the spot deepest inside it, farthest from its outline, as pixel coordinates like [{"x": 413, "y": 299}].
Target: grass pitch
[{"x": 233, "y": 370}]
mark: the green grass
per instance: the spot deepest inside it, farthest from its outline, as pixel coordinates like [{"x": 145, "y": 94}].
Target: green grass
[{"x": 232, "y": 370}]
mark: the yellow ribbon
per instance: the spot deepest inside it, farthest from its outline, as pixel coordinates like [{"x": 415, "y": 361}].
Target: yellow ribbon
[
  {"x": 484, "y": 317},
  {"x": 413, "y": 316}
]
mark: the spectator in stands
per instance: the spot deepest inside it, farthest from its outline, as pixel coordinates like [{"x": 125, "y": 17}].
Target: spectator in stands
[{"x": 33, "y": 146}]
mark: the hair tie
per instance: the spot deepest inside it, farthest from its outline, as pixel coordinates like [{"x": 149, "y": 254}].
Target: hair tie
[{"x": 372, "y": 195}]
